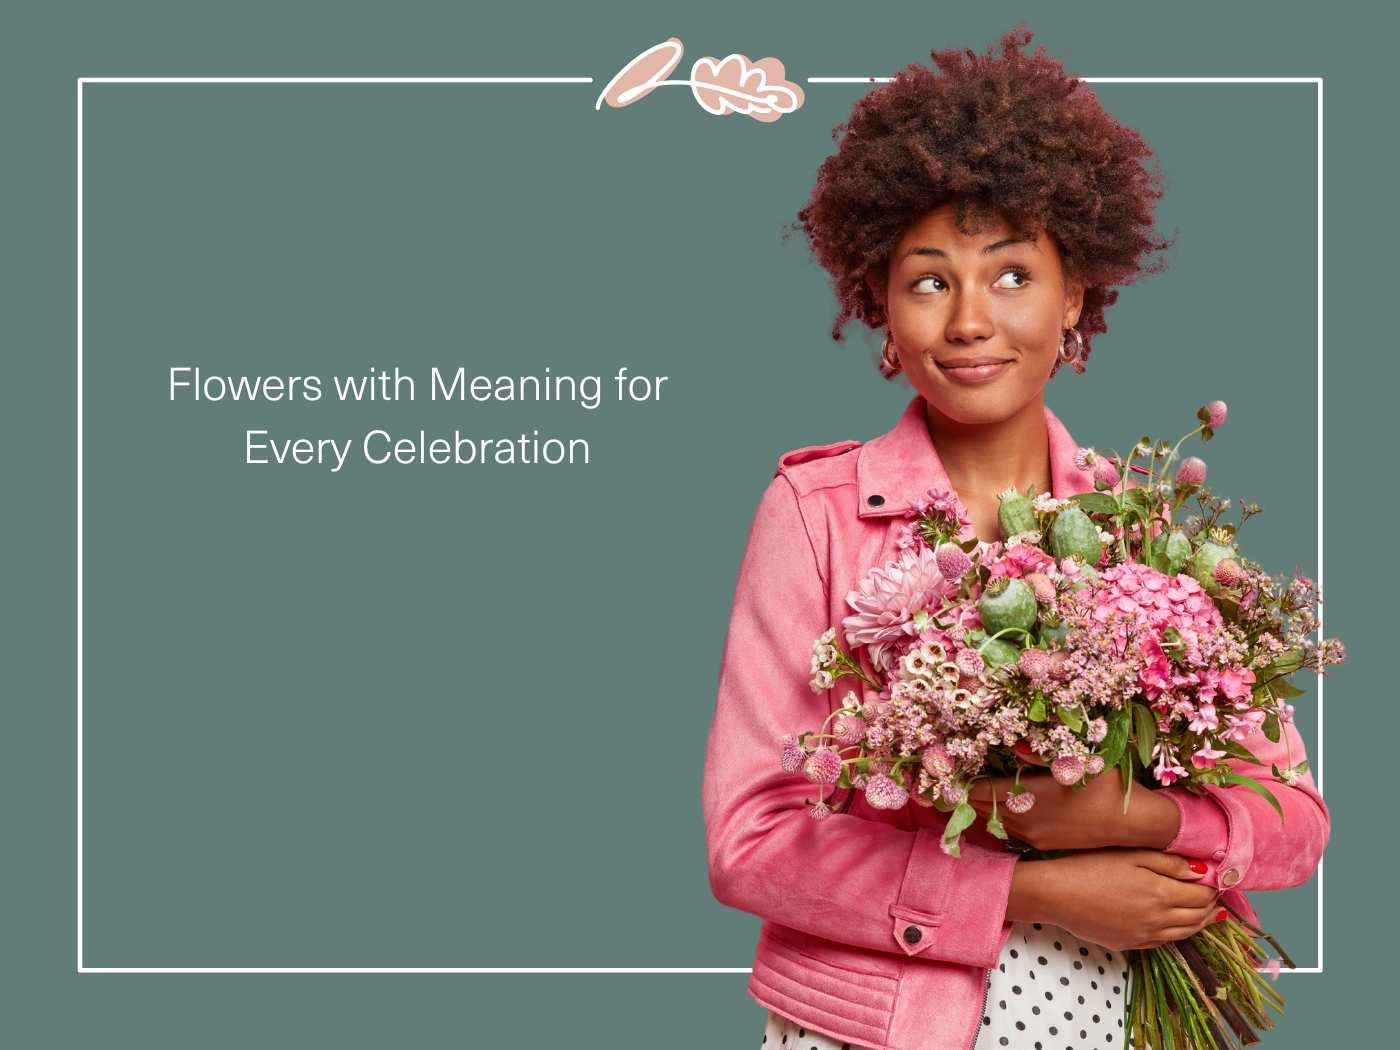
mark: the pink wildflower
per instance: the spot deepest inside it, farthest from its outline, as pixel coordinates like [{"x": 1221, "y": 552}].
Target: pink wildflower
[
  {"x": 849, "y": 730},
  {"x": 793, "y": 755},
  {"x": 952, "y": 560},
  {"x": 1216, "y": 410}
]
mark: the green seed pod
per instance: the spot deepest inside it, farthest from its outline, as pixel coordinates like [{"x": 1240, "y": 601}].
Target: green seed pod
[
  {"x": 1178, "y": 551},
  {"x": 1204, "y": 562},
  {"x": 1008, "y": 601},
  {"x": 1074, "y": 532},
  {"x": 1015, "y": 513},
  {"x": 999, "y": 651}
]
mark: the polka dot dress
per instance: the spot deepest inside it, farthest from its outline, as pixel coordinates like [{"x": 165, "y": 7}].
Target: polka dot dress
[{"x": 1049, "y": 991}]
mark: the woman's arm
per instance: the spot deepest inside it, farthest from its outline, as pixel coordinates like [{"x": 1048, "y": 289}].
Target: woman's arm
[
  {"x": 861, "y": 882},
  {"x": 1234, "y": 830},
  {"x": 1240, "y": 833}
]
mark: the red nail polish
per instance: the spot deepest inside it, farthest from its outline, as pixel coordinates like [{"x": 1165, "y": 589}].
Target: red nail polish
[
  {"x": 1198, "y": 866},
  {"x": 1022, "y": 747},
  {"x": 1220, "y": 915}
]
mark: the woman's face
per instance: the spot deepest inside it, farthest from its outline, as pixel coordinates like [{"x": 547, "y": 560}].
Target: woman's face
[{"x": 951, "y": 296}]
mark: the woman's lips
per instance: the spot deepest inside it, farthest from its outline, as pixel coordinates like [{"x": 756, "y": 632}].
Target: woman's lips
[{"x": 974, "y": 374}]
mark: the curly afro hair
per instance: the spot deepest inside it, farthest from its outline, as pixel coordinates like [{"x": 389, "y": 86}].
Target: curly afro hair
[{"x": 1013, "y": 136}]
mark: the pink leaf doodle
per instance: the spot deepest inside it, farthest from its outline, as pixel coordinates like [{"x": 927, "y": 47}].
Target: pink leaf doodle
[
  {"x": 735, "y": 85},
  {"x": 648, "y": 70}
]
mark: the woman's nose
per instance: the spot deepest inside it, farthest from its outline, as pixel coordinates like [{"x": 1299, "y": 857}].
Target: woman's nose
[{"x": 969, "y": 319}]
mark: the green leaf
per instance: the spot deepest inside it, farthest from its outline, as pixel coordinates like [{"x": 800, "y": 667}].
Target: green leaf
[
  {"x": 1095, "y": 502},
  {"x": 1070, "y": 717},
  {"x": 1285, "y": 690},
  {"x": 1271, "y": 728},
  {"x": 1145, "y": 729},
  {"x": 962, "y": 816},
  {"x": 1117, "y": 738},
  {"x": 1230, "y": 747},
  {"x": 994, "y": 826},
  {"x": 1281, "y": 666},
  {"x": 1231, "y": 777},
  {"x": 844, "y": 780},
  {"x": 1037, "y": 710}
]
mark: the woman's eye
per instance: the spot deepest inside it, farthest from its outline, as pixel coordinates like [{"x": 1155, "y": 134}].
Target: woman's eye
[{"x": 1017, "y": 277}]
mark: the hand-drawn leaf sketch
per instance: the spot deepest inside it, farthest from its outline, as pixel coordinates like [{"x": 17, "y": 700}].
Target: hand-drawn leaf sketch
[
  {"x": 736, "y": 85},
  {"x": 642, "y": 75}
]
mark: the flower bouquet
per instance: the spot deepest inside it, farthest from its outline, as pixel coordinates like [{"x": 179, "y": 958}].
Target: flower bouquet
[{"x": 1099, "y": 633}]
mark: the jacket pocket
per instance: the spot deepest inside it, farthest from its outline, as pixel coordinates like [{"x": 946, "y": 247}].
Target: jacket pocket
[{"x": 835, "y": 954}]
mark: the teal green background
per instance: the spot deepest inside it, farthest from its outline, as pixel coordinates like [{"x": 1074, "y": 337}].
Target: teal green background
[{"x": 455, "y": 716}]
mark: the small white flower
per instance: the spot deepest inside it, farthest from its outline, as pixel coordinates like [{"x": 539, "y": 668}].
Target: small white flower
[
  {"x": 1032, "y": 537},
  {"x": 1105, "y": 536},
  {"x": 852, "y": 702}
]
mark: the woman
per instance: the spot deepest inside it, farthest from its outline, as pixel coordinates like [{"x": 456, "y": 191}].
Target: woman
[{"x": 983, "y": 218}]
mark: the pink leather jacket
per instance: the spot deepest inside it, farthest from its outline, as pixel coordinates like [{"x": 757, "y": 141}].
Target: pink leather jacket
[{"x": 871, "y": 933}]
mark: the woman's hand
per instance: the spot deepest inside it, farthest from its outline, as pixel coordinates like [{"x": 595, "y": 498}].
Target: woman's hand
[
  {"x": 1120, "y": 898},
  {"x": 1081, "y": 817}
]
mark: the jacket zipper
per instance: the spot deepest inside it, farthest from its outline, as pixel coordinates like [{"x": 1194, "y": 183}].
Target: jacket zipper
[{"x": 986, "y": 993}]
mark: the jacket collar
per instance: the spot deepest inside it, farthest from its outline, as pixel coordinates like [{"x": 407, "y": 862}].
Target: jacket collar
[{"x": 896, "y": 469}]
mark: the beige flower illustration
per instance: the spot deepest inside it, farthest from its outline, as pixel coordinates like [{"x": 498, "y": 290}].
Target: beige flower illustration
[{"x": 734, "y": 84}]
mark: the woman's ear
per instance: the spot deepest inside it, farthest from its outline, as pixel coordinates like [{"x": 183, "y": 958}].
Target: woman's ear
[{"x": 1074, "y": 304}]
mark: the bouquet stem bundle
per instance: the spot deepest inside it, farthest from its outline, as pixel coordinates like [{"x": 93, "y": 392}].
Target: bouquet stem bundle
[{"x": 1202, "y": 993}]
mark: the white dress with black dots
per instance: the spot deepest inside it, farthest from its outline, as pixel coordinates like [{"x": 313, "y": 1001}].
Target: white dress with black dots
[{"x": 1049, "y": 991}]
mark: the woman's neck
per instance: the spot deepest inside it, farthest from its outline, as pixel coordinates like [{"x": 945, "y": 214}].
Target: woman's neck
[{"x": 984, "y": 459}]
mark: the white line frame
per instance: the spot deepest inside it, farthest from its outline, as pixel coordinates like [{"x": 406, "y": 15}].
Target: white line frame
[{"x": 81, "y": 81}]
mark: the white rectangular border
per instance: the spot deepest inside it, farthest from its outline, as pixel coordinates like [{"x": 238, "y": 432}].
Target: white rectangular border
[{"x": 1316, "y": 765}]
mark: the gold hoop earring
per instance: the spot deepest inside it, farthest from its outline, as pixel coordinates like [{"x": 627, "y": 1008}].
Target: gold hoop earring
[
  {"x": 1075, "y": 358},
  {"x": 889, "y": 361}
]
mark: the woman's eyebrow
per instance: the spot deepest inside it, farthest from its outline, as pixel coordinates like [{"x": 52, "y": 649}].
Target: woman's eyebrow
[{"x": 923, "y": 250}]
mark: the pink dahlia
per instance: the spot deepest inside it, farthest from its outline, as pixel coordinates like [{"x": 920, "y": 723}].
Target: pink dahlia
[{"x": 888, "y": 599}]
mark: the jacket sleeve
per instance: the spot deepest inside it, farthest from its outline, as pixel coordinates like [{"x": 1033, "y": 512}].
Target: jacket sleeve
[
  {"x": 858, "y": 881},
  {"x": 1240, "y": 834}
]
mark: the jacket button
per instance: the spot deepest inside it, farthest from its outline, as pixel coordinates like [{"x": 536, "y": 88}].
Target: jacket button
[
  {"x": 1229, "y": 876},
  {"x": 913, "y": 934},
  {"x": 877, "y": 501},
  {"x": 1219, "y": 854}
]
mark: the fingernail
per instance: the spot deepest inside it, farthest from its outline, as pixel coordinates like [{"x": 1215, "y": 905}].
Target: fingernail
[
  {"x": 1198, "y": 866},
  {"x": 1023, "y": 747},
  {"x": 1220, "y": 915}
]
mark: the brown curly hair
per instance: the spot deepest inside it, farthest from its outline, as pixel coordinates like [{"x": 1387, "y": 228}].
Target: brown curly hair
[{"x": 1014, "y": 136}]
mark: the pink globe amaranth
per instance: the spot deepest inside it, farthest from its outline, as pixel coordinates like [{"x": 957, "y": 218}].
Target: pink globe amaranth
[
  {"x": 1227, "y": 572},
  {"x": 935, "y": 760},
  {"x": 1020, "y": 803},
  {"x": 793, "y": 756},
  {"x": 1093, "y": 765},
  {"x": 1106, "y": 472},
  {"x": 1067, "y": 770},
  {"x": 884, "y": 792},
  {"x": 1034, "y": 664},
  {"x": 849, "y": 729},
  {"x": 952, "y": 561},
  {"x": 970, "y": 662},
  {"x": 954, "y": 794},
  {"x": 820, "y": 811},
  {"x": 1042, "y": 586},
  {"x": 1216, "y": 411},
  {"x": 823, "y": 766},
  {"x": 1192, "y": 471}
]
